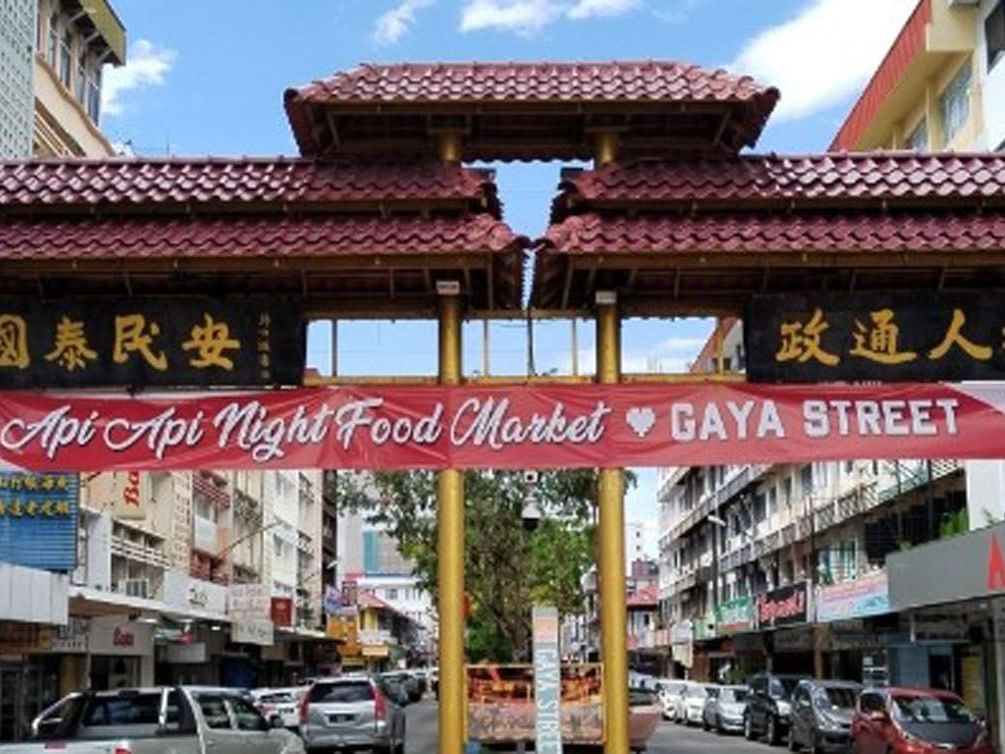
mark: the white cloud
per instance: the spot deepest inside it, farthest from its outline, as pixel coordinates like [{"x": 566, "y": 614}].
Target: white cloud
[
  {"x": 824, "y": 54},
  {"x": 677, "y": 11},
  {"x": 592, "y": 8},
  {"x": 147, "y": 64},
  {"x": 670, "y": 356},
  {"x": 530, "y": 16},
  {"x": 395, "y": 23}
]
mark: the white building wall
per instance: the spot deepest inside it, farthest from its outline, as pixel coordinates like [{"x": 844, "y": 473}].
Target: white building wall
[{"x": 17, "y": 52}]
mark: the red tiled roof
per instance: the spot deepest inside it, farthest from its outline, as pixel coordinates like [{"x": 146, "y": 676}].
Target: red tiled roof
[
  {"x": 817, "y": 232},
  {"x": 793, "y": 181},
  {"x": 232, "y": 237},
  {"x": 905, "y": 48},
  {"x": 644, "y": 598},
  {"x": 367, "y": 599},
  {"x": 34, "y": 184},
  {"x": 617, "y": 81}
]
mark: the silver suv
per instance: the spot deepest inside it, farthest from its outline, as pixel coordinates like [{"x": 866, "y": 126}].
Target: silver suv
[{"x": 351, "y": 712}]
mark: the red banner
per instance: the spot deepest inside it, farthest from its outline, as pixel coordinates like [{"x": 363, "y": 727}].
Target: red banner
[{"x": 501, "y": 427}]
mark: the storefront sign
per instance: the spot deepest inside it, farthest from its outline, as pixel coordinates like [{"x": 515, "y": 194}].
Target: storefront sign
[
  {"x": 189, "y": 595},
  {"x": 735, "y": 616},
  {"x": 114, "y": 636},
  {"x": 500, "y": 427},
  {"x": 866, "y": 595},
  {"x": 137, "y": 342},
  {"x": 332, "y": 600},
  {"x": 249, "y": 601},
  {"x": 793, "y": 639},
  {"x": 874, "y": 336},
  {"x": 185, "y": 654},
  {"x": 547, "y": 680},
  {"x": 938, "y": 628},
  {"x": 681, "y": 632},
  {"x": 72, "y": 638},
  {"x": 22, "y": 638},
  {"x": 38, "y": 519},
  {"x": 784, "y": 606},
  {"x": 948, "y": 570},
  {"x": 375, "y": 636},
  {"x": 282, "y": 611},
  {"x": 847, "y": 635},
  {"x": 127, "y": 494},
  {"x": 252, "y": 632}
]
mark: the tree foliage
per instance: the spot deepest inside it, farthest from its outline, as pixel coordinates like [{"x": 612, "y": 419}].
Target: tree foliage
[{"x": 507, "y": 568}]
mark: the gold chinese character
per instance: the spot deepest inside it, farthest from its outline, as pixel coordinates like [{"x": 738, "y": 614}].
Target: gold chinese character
[
  {"x": 31, "y": 508},
  {"x": 13, "y": 342},
  {"x": 211, "y": 339},
  {"x": 47, "y": 507},
  {"x": 31, "y": 483},
  {"x": 48, "y": 483},
  {"x": 880, "y": 343},
  {"x": 71, "y": 348},
  {"x": 3, "y": 509},
  {"x": 62, "y": 508},
  {"x": 954, "y": 336},
  {"x": 132, "y": 335},
  {"x": 62, "y": 483},
  {"x": 15, "y": 508},
  {"x": 801, "y": 342}
]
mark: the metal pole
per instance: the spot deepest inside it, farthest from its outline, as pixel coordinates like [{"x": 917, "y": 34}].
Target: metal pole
[
  {"x": 613, "y": 615},
  {"x": 450, "y": 541}
]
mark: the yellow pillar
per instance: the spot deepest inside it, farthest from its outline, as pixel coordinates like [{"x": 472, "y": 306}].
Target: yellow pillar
[
  {"x": 450, "y": 541},
  {"x": 613, "y": 615}
]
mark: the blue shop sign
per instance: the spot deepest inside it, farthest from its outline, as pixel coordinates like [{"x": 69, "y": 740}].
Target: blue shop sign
[{"x": 38, "y": 520}]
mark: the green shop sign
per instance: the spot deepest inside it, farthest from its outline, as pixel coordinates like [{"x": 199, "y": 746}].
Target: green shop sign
[{"x": 735, "y": 616}]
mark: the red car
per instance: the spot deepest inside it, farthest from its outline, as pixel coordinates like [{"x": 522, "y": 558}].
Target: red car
[{"x": 916, "y": 721}]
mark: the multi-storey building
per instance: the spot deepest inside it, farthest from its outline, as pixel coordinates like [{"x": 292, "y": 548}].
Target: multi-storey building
[{"x": 52, "y": 57}]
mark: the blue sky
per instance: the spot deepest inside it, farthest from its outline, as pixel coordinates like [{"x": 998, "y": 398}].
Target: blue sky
[{"x": 208, "y": 78}]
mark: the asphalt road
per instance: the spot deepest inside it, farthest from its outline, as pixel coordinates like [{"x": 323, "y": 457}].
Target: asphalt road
[{"x": 668, "y": 739}]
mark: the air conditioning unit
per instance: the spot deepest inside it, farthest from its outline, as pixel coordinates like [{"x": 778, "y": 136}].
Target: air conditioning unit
[{"x": 134, "y": 588}]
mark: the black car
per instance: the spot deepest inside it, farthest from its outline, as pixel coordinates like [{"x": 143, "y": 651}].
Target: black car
[
  {"x": 821, "y": 715},
  {"x": 769, "y": 706}
]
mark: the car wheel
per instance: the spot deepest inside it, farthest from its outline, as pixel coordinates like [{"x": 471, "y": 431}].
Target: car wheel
[
  {"x": 748, "y": 728},
  {"x": 793, "y": 746},
  {"x": 771, "y": 731}
]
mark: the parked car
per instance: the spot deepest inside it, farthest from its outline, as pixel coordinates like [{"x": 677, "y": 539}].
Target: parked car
[
  {"x": 769, "y": 706},
  {"x": 668, "y": 693},
  {"x": 916, "y": 721},
  {"x": 679, "y": 712},
  {"x": 351, "y": 712},
  {"x": 194, "y": 720},
  {"x": 408, "y": 682},
  {"x": 694, "y": 698},
  {"x": 821, "y": 715},
  {"x": 282, "y": 702},
  {"x": 724, "y": 711}
]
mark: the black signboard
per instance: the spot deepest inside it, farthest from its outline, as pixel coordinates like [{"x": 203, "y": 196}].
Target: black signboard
[
  {"x": 151, "y": 342},
  {"x": 784, "y": 606},
  {"x": 875, "y": 337}
]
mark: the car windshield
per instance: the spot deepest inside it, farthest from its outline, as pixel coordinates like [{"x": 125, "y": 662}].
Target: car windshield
[
  {"x": 342, "y": 693},
  {"x": 835, "y": 697},
  {"x": 277, "y": 697},
  {"x": 697, "y": 692},
  {"x": 782, "y": 688},
  {"x": 133, "y": 709},
  {"x": 712, "y": 691},
  {"x": 733, "y": 695},
  {"x": 924, "y": 708}
]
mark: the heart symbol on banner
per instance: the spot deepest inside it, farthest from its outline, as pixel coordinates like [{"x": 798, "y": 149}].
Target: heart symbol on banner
[{"x": 640, "y": 419}]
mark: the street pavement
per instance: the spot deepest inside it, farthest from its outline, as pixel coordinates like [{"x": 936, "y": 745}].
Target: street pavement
[{"x": 668, "y": 739}]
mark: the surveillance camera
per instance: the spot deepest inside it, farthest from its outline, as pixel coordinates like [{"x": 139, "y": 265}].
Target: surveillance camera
[{"x": 531, "y": 477}]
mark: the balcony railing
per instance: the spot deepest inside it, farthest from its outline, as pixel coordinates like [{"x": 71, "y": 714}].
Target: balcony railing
[{"x": 140, "y": 553}]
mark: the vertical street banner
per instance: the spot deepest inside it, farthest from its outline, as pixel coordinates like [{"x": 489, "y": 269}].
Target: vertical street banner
[{"x": 547, "y": 681}]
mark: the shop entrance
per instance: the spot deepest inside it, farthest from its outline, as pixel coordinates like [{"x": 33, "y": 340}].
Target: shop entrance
[{"x": 26, "y": 688}]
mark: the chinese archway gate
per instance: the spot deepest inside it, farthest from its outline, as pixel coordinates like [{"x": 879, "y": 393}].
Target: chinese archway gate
[{"x": 380, "y": 219}]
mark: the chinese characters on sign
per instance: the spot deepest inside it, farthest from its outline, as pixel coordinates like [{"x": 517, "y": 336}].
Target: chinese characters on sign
[
  {"x": 137, "y": 342},
  {"x": 38, "y": 520},
  {"x": 858, "y": 337}
]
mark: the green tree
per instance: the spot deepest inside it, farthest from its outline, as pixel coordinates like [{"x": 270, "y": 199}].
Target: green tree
[{"x": 507, "y": 569}]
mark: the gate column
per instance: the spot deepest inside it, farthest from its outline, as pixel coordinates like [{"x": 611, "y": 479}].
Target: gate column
[
  {"x": 610, "y": 498},
  {"x": 450, "y": 542}
]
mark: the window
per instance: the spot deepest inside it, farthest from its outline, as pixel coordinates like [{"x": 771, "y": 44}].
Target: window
[
  {"x": 955, "y": 103},
  {"x": 81, "y": 88},
  {"x": 66, "y": 59},
  {"x": 214, "y": 711},
  {"x": 918, "y": 138},
  {"x": 392, "y": 594},
  {"x": 871, "y": 702},
  {"x": 245, "y": 715},
  {"x": 53, "y": 39},
  {"x": 806, "y": 479},
  {"x": 341, "y": 693},
  {"x": 994, "y": 34}
]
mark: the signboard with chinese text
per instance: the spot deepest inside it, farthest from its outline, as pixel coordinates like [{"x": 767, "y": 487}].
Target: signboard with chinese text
[
  {"x": 783, "y": 606},
  {"x": 735, "y": 616},
  {"x": 866, "y": 595},
  {"x": 148, "y": 341},
  {"x": 875, "y": 337},
  {"x": 38, "y": 520},
  {"x": 547, "y": 681}
]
